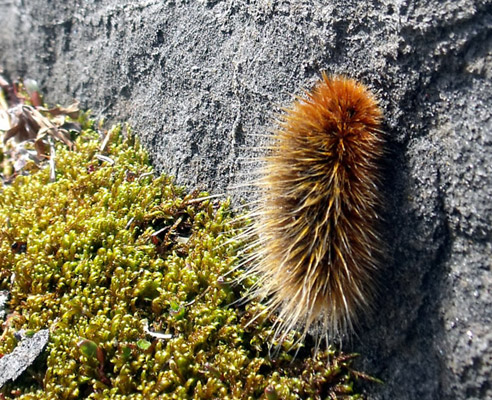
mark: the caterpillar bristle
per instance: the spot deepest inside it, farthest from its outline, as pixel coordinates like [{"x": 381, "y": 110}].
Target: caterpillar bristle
[{"x": 317, "y": 247}]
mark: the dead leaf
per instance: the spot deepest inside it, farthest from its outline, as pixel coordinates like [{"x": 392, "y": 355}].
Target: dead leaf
[
  {"x": 71, "y": 111},
  {"x": 22, "y": 126},
  {"x": 27, "y": 123},
  {"x": 32, "y": 123}
]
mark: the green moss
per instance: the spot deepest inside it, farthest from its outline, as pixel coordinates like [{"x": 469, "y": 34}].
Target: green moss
[{"x": 111, "y": 248}]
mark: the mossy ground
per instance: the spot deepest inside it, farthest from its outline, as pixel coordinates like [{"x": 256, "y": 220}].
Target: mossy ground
[{"x": 93, "y": 271}]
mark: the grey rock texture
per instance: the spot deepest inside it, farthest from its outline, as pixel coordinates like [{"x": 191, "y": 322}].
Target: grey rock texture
[
  {"x": 14, "y": 364},
  {"x": 198, "y": 80},
  {"x": 4, "y": 297}
]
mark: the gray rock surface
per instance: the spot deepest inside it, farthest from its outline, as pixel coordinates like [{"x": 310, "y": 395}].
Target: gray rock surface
[
  {"x": 198, "y": 80},
  {"x": 14, "y": 364},
  {"x": 4, "y": 297}
]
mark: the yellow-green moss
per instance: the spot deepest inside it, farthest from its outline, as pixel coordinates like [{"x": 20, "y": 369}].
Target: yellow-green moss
[{"x": 94, "y": 274}]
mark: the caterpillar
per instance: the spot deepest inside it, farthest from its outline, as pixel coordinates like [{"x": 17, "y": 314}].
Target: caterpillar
[{"x": 318, "y": 247}]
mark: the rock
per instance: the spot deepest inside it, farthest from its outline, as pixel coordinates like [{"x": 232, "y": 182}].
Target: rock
[
  {"x": 199, "y": 80},
  {"x": 14, "y": 364},
  {"x": 4, "y": 297}
]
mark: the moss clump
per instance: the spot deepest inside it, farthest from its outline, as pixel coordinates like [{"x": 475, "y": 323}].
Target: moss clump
[{"x": 107, "y": 255}]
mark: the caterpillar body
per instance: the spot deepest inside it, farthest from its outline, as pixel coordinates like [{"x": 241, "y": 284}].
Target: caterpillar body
[{"x": 318, "y": 248}]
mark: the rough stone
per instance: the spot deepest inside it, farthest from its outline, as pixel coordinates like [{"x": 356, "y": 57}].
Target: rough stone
[
  {"x": 201, "y": 81},
  {"x": 14, "y": 364},
  {"x": 4, "y": 297}
]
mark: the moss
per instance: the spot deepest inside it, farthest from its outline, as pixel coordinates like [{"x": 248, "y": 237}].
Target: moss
[{"x": 108, "y": 250}]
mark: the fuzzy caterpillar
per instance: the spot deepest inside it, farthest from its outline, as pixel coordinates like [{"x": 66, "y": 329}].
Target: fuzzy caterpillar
[{"x": 317, "y": 245}]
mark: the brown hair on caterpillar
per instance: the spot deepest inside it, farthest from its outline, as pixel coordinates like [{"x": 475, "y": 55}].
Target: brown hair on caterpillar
[{"x": 317, "y": 246}]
